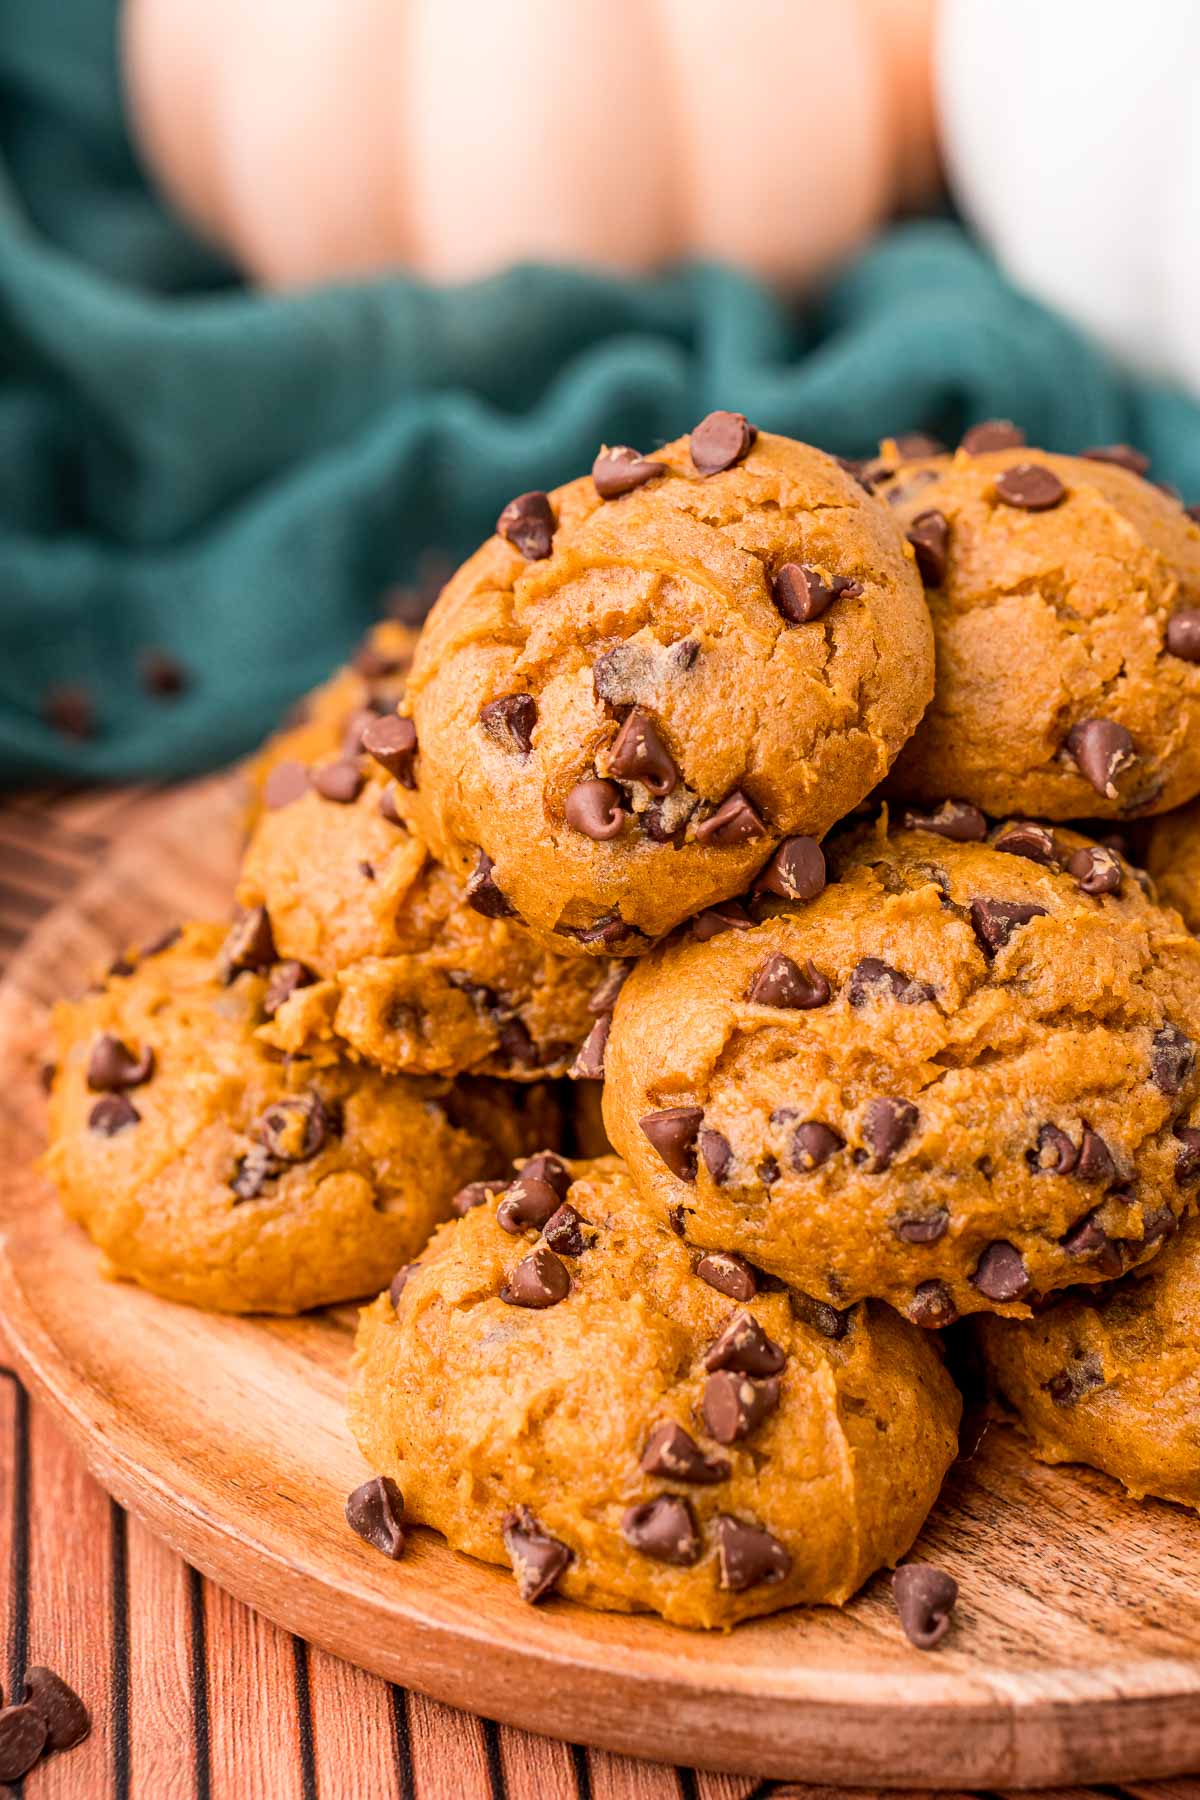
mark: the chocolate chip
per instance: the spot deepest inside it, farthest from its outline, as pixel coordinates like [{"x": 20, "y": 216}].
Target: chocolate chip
[
  {"x": 663, "y": 1528},
  {"x": 341, "y": 782},
  {"x": 677, "y": 1218},
  {"x": 929, "y": 535},
  {"x": 1096, "y": 870},
  {"x": 1031, "y": 487},
  {"x": 287, "y": 781},
  {"x": 995, "y": 921},
  {"x": 992, "y": 434},
  {"x": 514, "y": 1045},
  {"x": 295, "y": 1131},
  {"x": 813, "y": 1144},
  {"x": 913, "y": 445},
  {"x": 1102, "y": 750},
  {"x": 608, "y": 930},
  {"x": 528, "y": 1201},
  {"x": 748, "y": 1555},
  {"x": 594, "y": 808},
  {"x": 564, "y": 1232},
  {"x": 721, "y": 440},
  {"x": 1183, "y": 634},
  {"x": 538, "y": 1560},
  {"x": 253, "y": 1172},
  {"x": 619, "y": 470},
  {"x": 589, "y": 1059},
  {"x": 1095, "y": 1162},
  {"x": 801, "y": 594},
  {"x": 822, "y": 1317},
  {"x": 727, "y": 915},
  {"x": 932, "y": 1306},
  {"x": 249, "y": 945},
  {"x": 476, "y": 1193},
  {"x": 672, "y": 1132},
  {"x": 872, "y": 979},
  {"x": 795, "y": 872},
  {"x": 1159, "y": 1224},
  {"x": 286, "y": 979},
  {"x": 639, "y": 754},
  {"x": 528, "y": 523},
  {"x": 399, "y": 1282},
  {"x": 1055, "y": 1153},
  {"x": 925, "y": 1598},
  {"x": 392, "y": 742},
  {"x": 674, "y": 1454},
  {"x": 163, "y": 941},
  {"x": 1172, "y": 1059},
  {"x": 605, "y": 996},
  {"x": 954, "y": 819},
  {"x": 483, "y": 895},
  {"x": 1080, "y": 1377},
  {"x": 744, "y": 1347},
  {"x": 1187, "y": 1162},
  {"x": 112, "y": 1065},
  {"x": 1124, "y": 456},
  {"x": 112, "y": 1114},
  {"x": 1031, "y": 841},
  {"x": 779, "y": 982},
  {"x": 729, "y": 1273},
  {"x": 921, "y": 1228},
  {"x": 735, "y": 821},
  {"x": 1087, "y": 1237},
  {"x": 376, "y": 1511},
  {"x": 510, "y": 720},
  {"x": 733, "y": 1406},
  {"x": 1001, "y": 1274},
  {"x": 887, "y": 1125},
  {"x": 387, "y": 807},
  {"x": 547, "y": 1167},
  {"x": 374, "y": 664},
  {"x": 63, "y": 1713},
  {"x": 69, "y": 708},
  {"x": 22, "y": 1739},
  {"x": 538, "y": 1280},
  {"x": 857, "y": 470}
]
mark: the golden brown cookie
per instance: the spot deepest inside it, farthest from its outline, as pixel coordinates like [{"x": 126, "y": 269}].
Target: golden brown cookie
[
  {"x": 951, "y": 1082},
  {"x": 1065, "y": 594},
  {"x": 649, "y": 678},
  {"x": 1173, "y": 860},
  {"x": 1111, "y": 1376},
  {"x": 561, "y": 1384},
  {"x": 213, "y": 1170}
]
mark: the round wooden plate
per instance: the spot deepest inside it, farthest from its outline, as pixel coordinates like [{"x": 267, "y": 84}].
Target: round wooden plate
[{"x": 1076, "y": 1649}]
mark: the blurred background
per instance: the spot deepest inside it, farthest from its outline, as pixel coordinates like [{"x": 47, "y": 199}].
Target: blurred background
[{"x": 296, "y": 294}]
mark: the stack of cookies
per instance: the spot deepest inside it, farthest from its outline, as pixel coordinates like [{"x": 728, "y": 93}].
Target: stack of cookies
[{"x": 745, "y": 785}]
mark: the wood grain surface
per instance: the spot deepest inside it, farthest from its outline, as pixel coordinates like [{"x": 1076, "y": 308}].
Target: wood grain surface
[{"x": 1076, "y": 1605}]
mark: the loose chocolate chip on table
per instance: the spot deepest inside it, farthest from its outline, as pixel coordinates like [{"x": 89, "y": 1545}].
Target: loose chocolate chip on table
[
  {"x": 744, "y": 1347},
  {"x": 1124, "y": 456},
  {"x": 285, "y": 979},
  {"x": 717, "y": 1154},
  {"x": 721, "y": 440},
  {"x": 111, "y": 1114},
  {"x": 538, "y": 1280},
  {"x": 528, "y": 523},
  {"x": 527, "y": 1202},
  {"x": 1031, "y": 487},
  {"x": 795, "y": 872},
  {"x": 779, "y": 982},
  {"x": 992, "y": 434},
  {"x": 1172, "y": 1059},
  {"x": 70, "y": 710},
  {"x": 392, "y": 742},
  {"x": 801, "y": 594},
  {"x": 510, "y": 720},
  {"x": 1024, "y": 838},
  {"x": 376, "y": 1511},
  {"x": 929, "y": 535},
  {"x": 735, "y": 821},
  {"x": 1096, "y": 869},
  {"x": 673, "y": 1453},
  {"x": 112, "y": 1065},
  {"x": 639, "y": 754},
  {"x": 482, "y": 893},
  {"x": 287, "y": 781},
  {"x": 565, "y": 1232},
  {"x": 589, "y": 1059},
  {"x": 733, "y": 1405},
  {"x": 672, "y": 1132},
  {"x": 22, "y": 1739},
  {"x": 925, "y": 1598},
  {"x": 727, "y": 915},
  {"x": 296, "y": 1130},
  {"x": 995, "y": 921},
  {"x": 399, "y": 1282},
  {"x": 887, "y": 1125},
  {"x": 748, "y": 1555},
  {"x": 932, "y": 1306},
  {"x": 1080, "y": 1377},
  {"x": 1183, "y": 634},
  {"x": 1102, "y": 750},
  {"x": 476, "y": 1193},
  {"x": 63, "y": 1713},
  {"x": 341, "y": 782},
  {"x": 1055, "y": 1153},
  {"x": 953, "y": 819},
  {"x": 620, "y": 469},
  {"x": 1001, "y": 1274},
  {"x": 1187, "y": 1162},
  {"x": 729, "y": 1273},
  {"x": 921, "y": 1228},
  {"x": 1096, "y": 1163},
  {"x": 872, "y": 979},
  {"x": 663, "y": 1528},
  {"x": 814, "y": 1144},
  {"x": 538, "y": 1560},
  {"x": 594, "y": 808}
]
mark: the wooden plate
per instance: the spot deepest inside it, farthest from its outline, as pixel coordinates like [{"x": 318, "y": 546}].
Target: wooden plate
[{"x": 1076, "y": 1652}]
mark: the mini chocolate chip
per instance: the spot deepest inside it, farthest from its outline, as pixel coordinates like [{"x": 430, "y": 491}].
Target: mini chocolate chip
[
  {"x": 528, "y": 523},
  {"x": 678, "y": 1216},
  {"x": 1123, "y": 456},
  {"x": 639, "y": 754},
  {"x": 1096, "y": 1163},
  {"x": 610, "y": 929},
  {"x": 795, "y": 872},
  {"x": 744, "y": 1347},
  {"x": 932, "y": 1306},
  {"x": 1080, "y": 1377},
  {"x": 887, "y": 1125},
  {"x": 872, "y": 979},
  {"x": 63, "y": 1713},
  {"x": 112, "y": 1114},
  {"x": 476, "y": 1193},
  {"x": 287, "y": 781},
  {"x": 253, "y": 1172},
  {"x": 1087, "y": 1237},
  {"x": 674, "y": 1454},
  {"x": 538, "y": 1280},
  {"x": 341, "y": 782},
  {"x": 1024, "y": 838},
  {"x": 721, "y": 440},
  {"x": 605, "y": 996},
  {"x": 925, "y": 1598},
  {"x": 663, "y": 1528},
  {"x": 1172, "y": 1059},
  {"x": 589, "y": 1059},
  {"x": 727, "y": 915},
  {"x": 1183, "y": 634},
  {"x": 929, "y": 535},
  {"x": 1055, "y": 1153},
  {"x": 992, "y": 434},
  {"x": 510, "y": 720},
  {"x": 392, "y": 742},
  {"x": 538, "y": 1560},
  {"x": 729, "y": 1273},
  {"x": 547, "y": 1167},
  {"x": 779, "y": 982},
  {"x": 717, "y": 1154},
  {"x": 296, "y": 1130},
  {"x": 399, "y": 1282},
  {"x": 921, "y": 1228},
  {"x": 1102, "y": 750},
  {"x": 249, "y": 945},
  {"x": 528, "y": 1201},
  {"x": 913, "y": 445},
  {"x": 1161, "y": 1223},
  {"x": 748, "y": 1555},
  {"x": 1187, "y": 1162},
  {"x": 69, "y": 708},
  {"x": 112, "y": 1065},
  {"x": 735, "y": 821},
  {"x": 814, "y": 1144},
  {"x": 801, "y": 594},
  {"x": 376, "y": 1511},
  {"x": 1001, "y": 1274},
  {"x": 995, "y": 921},
  {"x": 564, "y": 1232},
  {"x": 733, "y": 1406},
  {"x": 1096, "y": 870},
  {"x": 619, "y": 470},
  {"x": 1031, "y": 487},
  {"x": 954, "y": 819},
  {"x": 285, "y": 979},
  {"x": 672, "y": 1132},
  {"x": 22, "y": 1739},
  {"x": 483, "y": 895},
  {"x": 594, "y": 808}
]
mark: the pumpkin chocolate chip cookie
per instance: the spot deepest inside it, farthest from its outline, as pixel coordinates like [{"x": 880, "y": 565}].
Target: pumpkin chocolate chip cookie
[
  {"x": 1173, "y": 860},
  {"x": 211, "y": 1169},
  {"x": 649, "y": 678},
  {"x": 953, "y": 1081},
  {"x": 562, "y": 1385},
  {"x": 1065, "y": 594}
]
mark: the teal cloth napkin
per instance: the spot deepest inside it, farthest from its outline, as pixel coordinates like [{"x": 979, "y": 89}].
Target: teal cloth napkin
[{"x": 234, "y": 478}]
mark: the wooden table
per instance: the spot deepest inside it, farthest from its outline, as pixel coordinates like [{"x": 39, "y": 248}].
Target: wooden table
[{"x": 194, "y": 1696}]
